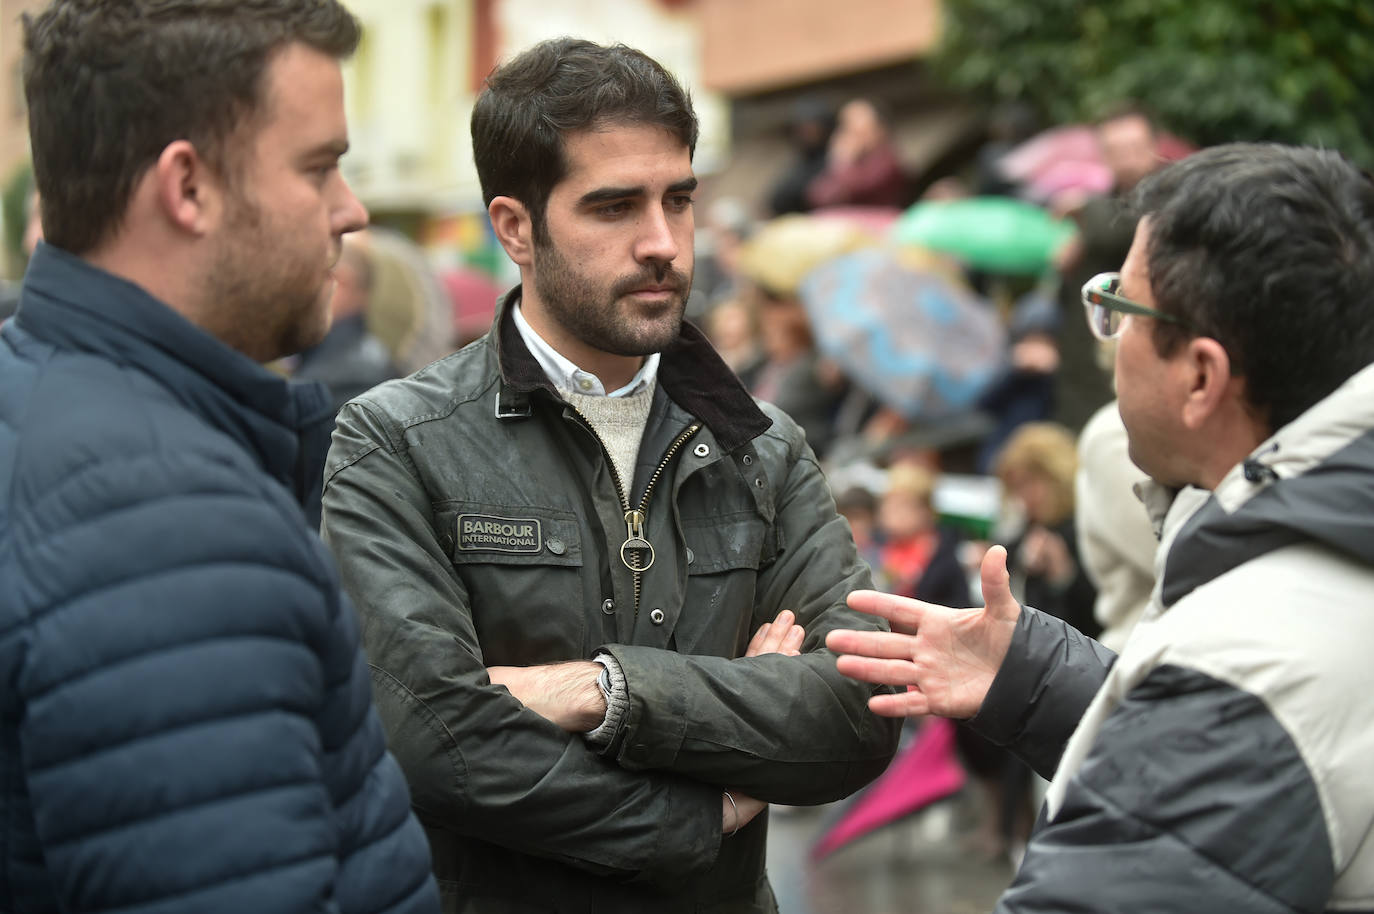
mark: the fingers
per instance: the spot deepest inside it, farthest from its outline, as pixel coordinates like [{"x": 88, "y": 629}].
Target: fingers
[
  {"x": 886, "y": 645},
  {"x": 901, "y": 704},
  {"x": 1001, "y": 605},
  {"x": 877, "y": 670},
  {"x": 781, "y": 636},
  {"x": 757, "y": 642},
  {"x": 904, "y": 613}
]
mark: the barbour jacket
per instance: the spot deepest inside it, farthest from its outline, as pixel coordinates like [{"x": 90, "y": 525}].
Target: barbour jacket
[{"x": 478, "y": 523}]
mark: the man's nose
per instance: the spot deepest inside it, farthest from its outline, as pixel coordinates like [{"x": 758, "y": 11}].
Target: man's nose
[
  {"x": 349, "y": 213},
  {"x": 656, "y": 241}
]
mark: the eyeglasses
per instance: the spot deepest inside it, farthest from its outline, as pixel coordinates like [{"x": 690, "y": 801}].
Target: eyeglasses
[{"x": 1106, "y": 310}]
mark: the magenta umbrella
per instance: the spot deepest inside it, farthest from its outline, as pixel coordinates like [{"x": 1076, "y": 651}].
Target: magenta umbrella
[
  {"x": 1070, "y": 158},
  {"x": 923, "y": 772}
]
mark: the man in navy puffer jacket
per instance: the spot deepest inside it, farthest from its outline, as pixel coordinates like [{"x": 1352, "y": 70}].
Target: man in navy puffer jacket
[{"x": 186, "y": 721}]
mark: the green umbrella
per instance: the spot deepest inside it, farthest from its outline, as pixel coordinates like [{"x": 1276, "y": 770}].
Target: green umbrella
[{"x": 996, "y": 234}]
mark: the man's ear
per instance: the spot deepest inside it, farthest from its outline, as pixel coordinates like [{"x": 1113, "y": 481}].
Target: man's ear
[
  {"x": 511, "y": 223},
  {"x": 189, "y": 193},
  {"x": 1210, "y": 384}
]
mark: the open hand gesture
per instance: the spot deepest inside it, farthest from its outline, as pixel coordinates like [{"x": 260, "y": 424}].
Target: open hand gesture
[{"x": 947, "y": 658}]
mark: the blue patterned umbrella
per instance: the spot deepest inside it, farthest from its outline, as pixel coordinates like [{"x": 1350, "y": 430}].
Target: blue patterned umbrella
[{"x": 925, "y": 346}]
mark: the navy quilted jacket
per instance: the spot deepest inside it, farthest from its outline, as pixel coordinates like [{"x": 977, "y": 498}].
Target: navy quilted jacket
[{"x": 185, "y": 714}]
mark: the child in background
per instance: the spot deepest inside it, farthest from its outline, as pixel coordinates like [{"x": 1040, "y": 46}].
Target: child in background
[
  {"x": 859, "y": 506},
  {"x": 918, "y": 558}
]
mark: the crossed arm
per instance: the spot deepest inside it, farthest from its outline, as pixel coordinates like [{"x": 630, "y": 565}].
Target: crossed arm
[{"x": 568, "y": 695}]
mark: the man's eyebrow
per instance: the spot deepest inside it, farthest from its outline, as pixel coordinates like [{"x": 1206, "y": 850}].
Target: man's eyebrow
[
  {"x": 335, "y": 148},
  {"x": 611, "y": 194},
  {"x": 608, "y": 195}
]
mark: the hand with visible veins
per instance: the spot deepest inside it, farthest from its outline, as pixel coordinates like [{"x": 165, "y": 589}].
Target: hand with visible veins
[{"x": 947, "y": 658}]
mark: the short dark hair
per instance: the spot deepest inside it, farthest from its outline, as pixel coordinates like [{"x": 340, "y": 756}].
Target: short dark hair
[
  {"x": 1269, "y": 250},
  {"x": 110, "y": 85},
  {"x": 530, "y": 104}
]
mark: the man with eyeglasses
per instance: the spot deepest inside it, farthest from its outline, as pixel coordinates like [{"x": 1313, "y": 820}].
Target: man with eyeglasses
[{"x": 1221, "y": 761}]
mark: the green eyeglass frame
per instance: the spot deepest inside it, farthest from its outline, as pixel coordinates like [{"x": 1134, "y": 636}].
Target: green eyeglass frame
[{"x": 1104, "y": 307}]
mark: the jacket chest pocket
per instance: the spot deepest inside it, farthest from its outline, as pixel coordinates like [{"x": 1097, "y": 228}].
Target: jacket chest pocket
[
  {"x": 725, "y": 555},
  {"x": 522, "y": 568}
]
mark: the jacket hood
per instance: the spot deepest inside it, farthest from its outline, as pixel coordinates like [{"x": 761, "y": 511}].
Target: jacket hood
[{"x": 1311, "y": 481}]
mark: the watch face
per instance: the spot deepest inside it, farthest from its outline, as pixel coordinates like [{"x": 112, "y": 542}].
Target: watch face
[{"x": 603, "y": 679}]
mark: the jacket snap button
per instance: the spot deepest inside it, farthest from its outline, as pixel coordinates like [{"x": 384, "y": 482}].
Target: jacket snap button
[
  {"x": 748, "y": 460},
  {"x": 556, "y": 545},
  {"x": 691, "y": 556},
  {"x": 656, "y": 617},
  {"x": 608, "y": 606},
  {"x": 702, "y": 450},
  {"x": 758, "y": 483}
]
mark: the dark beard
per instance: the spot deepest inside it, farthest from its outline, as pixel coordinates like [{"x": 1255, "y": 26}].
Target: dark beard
[{"x": 589, "y": 311}]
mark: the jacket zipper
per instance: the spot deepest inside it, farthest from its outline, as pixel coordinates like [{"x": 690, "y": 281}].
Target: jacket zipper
[{"x": 632, "y": 551}]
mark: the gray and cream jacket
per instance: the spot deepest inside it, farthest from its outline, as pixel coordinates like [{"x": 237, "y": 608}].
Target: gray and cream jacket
[{"x": 1223, "y": 762}]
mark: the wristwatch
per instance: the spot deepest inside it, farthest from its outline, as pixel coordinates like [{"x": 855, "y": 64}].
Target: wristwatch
[{"x": 603, "y": 680}]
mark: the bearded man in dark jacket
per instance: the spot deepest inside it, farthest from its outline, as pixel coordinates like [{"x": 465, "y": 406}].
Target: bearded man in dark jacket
[{"x": 562, "y": 538}]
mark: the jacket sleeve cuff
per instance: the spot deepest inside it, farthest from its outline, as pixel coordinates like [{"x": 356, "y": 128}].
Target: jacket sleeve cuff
[
  {"x": 617, "y": 704},
  {"x": 1045, "y": 684}
]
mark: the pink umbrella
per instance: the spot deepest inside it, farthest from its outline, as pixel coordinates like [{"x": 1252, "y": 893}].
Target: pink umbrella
[
  {"x": 1069, "y": 158},
  {"x": 923, "y": 772}
]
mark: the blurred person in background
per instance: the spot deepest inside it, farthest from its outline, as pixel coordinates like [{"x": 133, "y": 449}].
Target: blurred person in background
[
  {"x": 33, "y": 233},
  {"x": 1130, "y": 148},
  {"x": 186, "y": 722},
  {"x": 349, "y": 360},
  {"x": 793, "y": 375},
  {"x": 919, "y": 558},
  {"x": 859, "y": 506},
  {"x": 562, "y": 538},
  {"x": 1037, "y": 470},
  {"x": 1116, "y": 541},
  {"x": 718, "y": 246},
  {"x": 732, "y": 328},
  {"x": 1220, "y": 762},
  {"x": 862, "y": 166},
  {"x": 810, "y": 128},
  {"x": 1024, "y": 390},
  {"x": 1009, "y": 125}
]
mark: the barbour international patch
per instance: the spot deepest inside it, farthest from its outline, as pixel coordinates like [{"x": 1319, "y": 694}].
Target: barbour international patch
[{"x": 489, "y": 533}]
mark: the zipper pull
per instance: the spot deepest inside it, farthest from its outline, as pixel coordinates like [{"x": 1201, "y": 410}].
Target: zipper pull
[{"x": 635, "y": 545}]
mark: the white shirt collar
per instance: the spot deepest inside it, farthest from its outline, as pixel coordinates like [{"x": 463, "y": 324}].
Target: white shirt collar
[{"x": 564, "y": 375}]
